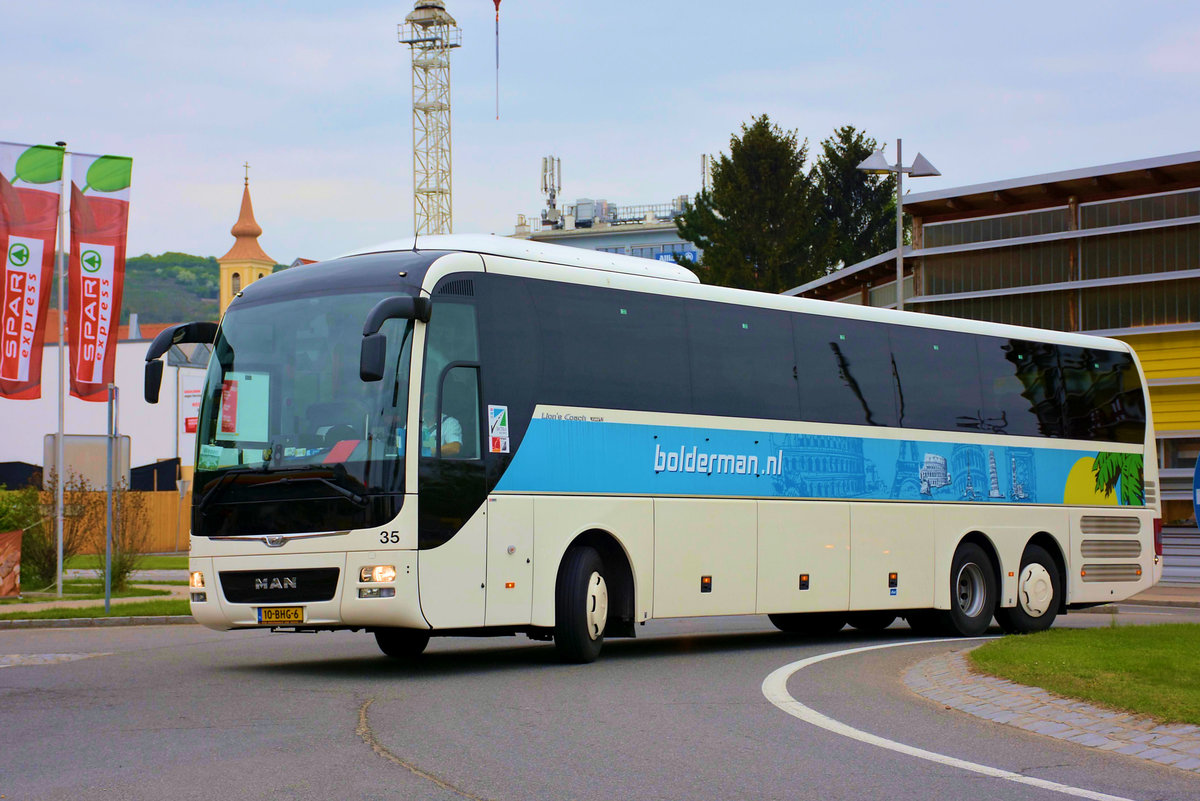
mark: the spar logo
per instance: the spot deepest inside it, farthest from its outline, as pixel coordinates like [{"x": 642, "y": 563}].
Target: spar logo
[
  {"x": 695, "y": 461},
  {"x": 18, "y": 254},
  {"x": 91, "y": 261}
]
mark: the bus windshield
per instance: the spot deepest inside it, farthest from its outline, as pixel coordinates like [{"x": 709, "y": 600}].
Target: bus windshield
[{"x": 285, "y": 417}]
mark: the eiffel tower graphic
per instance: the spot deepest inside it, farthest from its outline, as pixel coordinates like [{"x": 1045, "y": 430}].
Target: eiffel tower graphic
[
  {"x": 969, "y": 493},
  {"x": 907, "y": 481}
]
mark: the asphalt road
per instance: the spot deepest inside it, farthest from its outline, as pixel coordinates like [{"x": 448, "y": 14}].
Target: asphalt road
[{"x": 181, "y": 712}]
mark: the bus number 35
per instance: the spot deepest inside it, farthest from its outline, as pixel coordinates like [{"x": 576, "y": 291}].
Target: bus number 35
[{"x": 392, "y": 537}]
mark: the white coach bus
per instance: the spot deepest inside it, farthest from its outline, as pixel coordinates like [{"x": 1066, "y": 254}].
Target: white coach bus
[{"x": 478, "y": 436}]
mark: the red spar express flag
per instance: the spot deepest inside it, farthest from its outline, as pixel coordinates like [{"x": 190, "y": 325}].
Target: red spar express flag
[
  {"x": 30, "y": 185},
  {"x": 99, "y": 219}
]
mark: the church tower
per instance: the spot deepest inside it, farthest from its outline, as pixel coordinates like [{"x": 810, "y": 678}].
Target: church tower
[{"x": 245, "y": 262}]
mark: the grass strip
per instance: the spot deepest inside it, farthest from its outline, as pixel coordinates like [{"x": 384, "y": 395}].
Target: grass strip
[
  {"x": 138, "y": 609},
  {"x": 147, "y": 562},
  {"x": 1150, "y": 670},
  {"x": 84, "y": 591}
]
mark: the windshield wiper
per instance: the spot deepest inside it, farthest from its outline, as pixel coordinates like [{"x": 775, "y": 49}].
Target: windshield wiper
[
  {"x": 350, "y": 495},
  {"x": 346, "y": 493}
]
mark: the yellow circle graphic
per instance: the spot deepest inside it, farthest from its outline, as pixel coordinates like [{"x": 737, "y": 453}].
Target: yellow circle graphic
[{"x": 1080, "y": 488}]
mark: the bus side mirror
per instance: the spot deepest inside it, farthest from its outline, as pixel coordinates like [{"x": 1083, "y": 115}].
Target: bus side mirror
[
  {"x": 154, "y": 373},
  {"x": 205, "y": 332},
  {"x": 371, "y": 359},
  {"x": 374, "y": 344}
]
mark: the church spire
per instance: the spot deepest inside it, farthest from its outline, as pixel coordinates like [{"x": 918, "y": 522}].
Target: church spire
[
  {"x": 246, "y": 230},
  {"x": 245, "y": 262}
]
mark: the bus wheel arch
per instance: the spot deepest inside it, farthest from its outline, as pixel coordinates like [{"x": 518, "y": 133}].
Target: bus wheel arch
[
  {"x": 974, "y": 589},
  {"x": 612, "y": 564}
]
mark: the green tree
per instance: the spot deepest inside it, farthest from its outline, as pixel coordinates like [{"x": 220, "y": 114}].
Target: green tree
[
  {"x": 857, "y": 211},
  {"x": 756, "y": 225}
]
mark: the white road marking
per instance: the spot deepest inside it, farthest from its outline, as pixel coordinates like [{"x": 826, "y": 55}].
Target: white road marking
[{"x": 774, "y": 687}]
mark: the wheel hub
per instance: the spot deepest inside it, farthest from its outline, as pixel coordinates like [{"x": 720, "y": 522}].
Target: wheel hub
[
  {"x": 1035, "y": 590},
  {"x": 597, "y": 605},
  {"x": 971, "y": 589}
]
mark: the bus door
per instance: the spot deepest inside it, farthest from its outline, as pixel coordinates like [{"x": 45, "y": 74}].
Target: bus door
[{"x": 451, "y": 487}]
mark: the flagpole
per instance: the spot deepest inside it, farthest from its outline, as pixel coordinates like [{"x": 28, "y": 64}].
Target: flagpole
[{"x": 59, "y": 457}]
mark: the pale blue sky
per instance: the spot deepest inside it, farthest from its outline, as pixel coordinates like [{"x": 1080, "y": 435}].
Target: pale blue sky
[{"x": 316, "y": 96}]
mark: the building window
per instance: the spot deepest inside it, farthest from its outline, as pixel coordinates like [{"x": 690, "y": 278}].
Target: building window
[
  {"x": 237, "y": 283},
  {"x": 1004, "y": 226}
]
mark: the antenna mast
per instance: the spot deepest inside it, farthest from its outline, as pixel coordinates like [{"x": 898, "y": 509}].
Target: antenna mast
[{"x": 431, "y": 33}]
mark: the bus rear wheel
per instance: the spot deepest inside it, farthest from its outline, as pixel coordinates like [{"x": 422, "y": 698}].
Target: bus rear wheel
[
  {"x": 972, "y": 591},
  {"x": 1039, "y": 593},
  {"x": 580, "y": 606},
  {"x": 813, "y": 624},
  {"x": 402, "y": 643}
]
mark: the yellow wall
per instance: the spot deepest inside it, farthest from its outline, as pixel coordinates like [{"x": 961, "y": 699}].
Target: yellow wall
[
  {"x": 249, "y": 270},
  {"x": 1171, "y": 355}
]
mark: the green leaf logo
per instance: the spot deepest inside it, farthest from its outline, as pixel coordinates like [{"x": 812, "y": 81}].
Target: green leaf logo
[
  {"x": 110, "y": 173},
  {"x": 40, "y": 164}
]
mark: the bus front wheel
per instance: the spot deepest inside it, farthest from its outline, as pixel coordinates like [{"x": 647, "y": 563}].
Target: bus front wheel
[
  {"x": 580, "y": 606},
  {"x": 1039, "y": 592},
  {"x": 402, "y": 643}
]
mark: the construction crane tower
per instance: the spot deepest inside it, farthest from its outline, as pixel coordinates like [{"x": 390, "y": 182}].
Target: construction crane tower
[{"x": 431, "y": 33}]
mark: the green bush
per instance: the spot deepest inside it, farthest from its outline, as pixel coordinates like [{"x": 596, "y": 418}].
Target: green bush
[{"x": 20, "y": 510}]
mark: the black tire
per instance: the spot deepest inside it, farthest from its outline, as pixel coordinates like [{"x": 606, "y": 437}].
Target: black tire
[
  {"x": 812, "y": 624},
  {"x": 871, "y": 622},
  {"x": 1039, "y": 594},
  {"x": 402, "y": 643},
  {"x": 580, "y": 606},
  {"x": 973, "y": 593}
]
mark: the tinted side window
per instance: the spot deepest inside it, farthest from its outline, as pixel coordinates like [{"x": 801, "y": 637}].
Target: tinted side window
[
  {"x": 611, "y": 348},
  {"x": 845, "y": 371},
  {"x": 1022, "y": 390},
  {"x": 743, "y": 362},
  {"x": 1102, "y": 395},
  {"x": 937, "y": 379}
]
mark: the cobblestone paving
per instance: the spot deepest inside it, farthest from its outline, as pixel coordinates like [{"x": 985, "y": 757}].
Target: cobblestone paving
[{"x": 947, "y": 680}]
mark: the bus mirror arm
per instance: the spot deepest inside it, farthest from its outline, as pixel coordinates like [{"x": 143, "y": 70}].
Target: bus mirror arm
[
  {"x": 404, "y": 307},
  {"x": 203, "y": 332}
]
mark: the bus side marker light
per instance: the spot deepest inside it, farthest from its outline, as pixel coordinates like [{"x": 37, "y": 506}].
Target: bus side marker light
[
  {"x": 893, "y": 580},
  {"x": 1011, "y": 574},
  {"x": 508, "y": 585},
  {"x": 706, "y": 584},
  {"x": 804, "y": 581}
]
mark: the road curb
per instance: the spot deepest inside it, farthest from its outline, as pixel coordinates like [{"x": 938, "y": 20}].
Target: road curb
[
  {"x": 948, "y": 679},
  {"x": 1108, "y": 609},
  {"x": 97, "y": 622}
]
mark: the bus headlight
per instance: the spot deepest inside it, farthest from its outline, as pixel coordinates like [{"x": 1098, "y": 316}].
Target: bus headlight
[
  {"x": 196, "y": 580},
  {"x": 377, "y": 574}
]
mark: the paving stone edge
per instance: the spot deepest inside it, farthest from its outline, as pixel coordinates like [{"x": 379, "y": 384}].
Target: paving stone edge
[{"x": 96, "y": 622}]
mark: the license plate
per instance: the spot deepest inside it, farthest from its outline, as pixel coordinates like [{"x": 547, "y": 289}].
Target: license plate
[{"x": 281, "y": 614}]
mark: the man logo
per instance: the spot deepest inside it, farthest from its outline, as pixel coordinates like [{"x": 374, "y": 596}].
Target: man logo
[{"x": 284, "y": 583}]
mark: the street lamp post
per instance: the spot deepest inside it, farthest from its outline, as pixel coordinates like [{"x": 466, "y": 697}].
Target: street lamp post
[{"x": 876, "y": 164}]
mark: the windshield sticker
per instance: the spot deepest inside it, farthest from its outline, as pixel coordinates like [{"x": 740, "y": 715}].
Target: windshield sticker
[
  {"x": 245, "y": 404},
  {"x": 498, "y": 428},
  {"x": 210, "y": 457}
]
